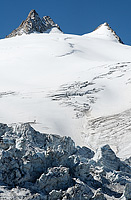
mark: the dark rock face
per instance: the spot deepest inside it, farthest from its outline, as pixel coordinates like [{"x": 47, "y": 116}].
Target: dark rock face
[
  {"x": 40, "y": 166},
  {"x": 34, "y": 23}
]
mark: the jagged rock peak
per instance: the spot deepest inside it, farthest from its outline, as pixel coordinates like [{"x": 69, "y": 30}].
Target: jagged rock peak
[
  {"x": 34, "y": 23},
  {"x": 32, "y": 13},
  {"x": 106, "y": 25}
]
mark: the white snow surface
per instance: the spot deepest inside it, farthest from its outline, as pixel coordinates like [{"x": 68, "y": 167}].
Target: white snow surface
[
  {"x": 71, "y": 85},
  {"x": 104, "y": 31}
]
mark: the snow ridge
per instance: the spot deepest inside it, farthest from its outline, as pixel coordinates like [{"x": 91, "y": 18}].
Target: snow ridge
[
  {"x": 34, "y": 23},
  {"x": 105, "y": 31}
]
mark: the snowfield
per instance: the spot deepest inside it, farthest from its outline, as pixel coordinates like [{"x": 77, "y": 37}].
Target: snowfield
[{"x": 71, "y": 85}]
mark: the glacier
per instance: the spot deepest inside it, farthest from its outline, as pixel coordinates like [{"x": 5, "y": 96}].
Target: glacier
[
  {"x": 74, "y": 86},
  {"x": 41, "y": 166},
  {"x": 63, "y": 84}
]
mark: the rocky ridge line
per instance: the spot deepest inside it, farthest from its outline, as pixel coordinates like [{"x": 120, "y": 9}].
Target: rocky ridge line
[
  {"x": 40, "y": 166},
  {"x": 34, "y": 23}
]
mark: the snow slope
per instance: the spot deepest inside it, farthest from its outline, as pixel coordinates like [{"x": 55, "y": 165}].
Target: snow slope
[
  {"x": 69, "y": 85},
  {"x": 104, "y": 31}
]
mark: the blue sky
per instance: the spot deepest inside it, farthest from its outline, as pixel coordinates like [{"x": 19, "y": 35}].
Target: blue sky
[{"x": 73, "y": 16}]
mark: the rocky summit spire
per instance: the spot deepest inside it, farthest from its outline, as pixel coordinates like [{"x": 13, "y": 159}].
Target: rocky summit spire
[
  {"x": 105, "y": 27},
  {"x": 32, "y": 14},
  {"x": 34, "y": 23}
]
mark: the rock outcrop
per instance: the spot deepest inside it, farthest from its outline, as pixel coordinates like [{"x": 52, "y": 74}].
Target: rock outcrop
[
  {"x": 34, "y": 23},
  {"x": 40, "y": 166}
]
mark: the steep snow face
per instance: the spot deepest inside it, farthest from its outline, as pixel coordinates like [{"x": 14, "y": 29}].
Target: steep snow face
[
  {"x": 34, "y": 23},
  {"x": 71, "y": 85},
  {"x": 104, "y": 31}
]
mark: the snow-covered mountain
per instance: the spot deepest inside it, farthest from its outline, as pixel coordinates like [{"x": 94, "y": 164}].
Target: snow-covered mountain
[
  {"x": 34, "y": 23},
  {"x": 104, "y": 31},
  {"x": 65, "y": 84}
]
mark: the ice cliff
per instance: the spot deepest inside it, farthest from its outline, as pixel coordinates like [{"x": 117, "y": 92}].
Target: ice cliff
[{"x": 41, "y": 166}]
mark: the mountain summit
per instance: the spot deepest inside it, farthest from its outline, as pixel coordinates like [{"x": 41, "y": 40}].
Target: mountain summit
[
  {"x": 104, "y": 31},
  {"x": 34, "y": 23}
]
